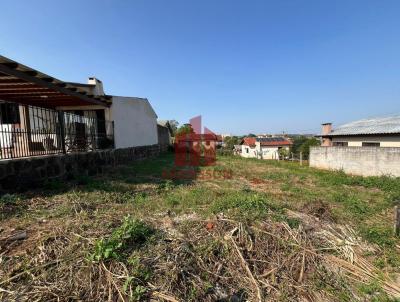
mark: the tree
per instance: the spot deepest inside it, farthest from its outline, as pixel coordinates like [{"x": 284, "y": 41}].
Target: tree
[
  {"x": 298, "y": 141},
  {"x": 302, "y": 144},
  {"x": 305, "y": 147},
  {"x": 174, "y": 126},
  {"x": 251, "y": 135},
  {"x": 283, "y": 153},
  {"x": 230, "y": 141},
  {"x": 184, "y": 129}
]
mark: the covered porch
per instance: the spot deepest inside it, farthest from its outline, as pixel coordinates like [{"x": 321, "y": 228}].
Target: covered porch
[{"x": 38, "y": 115}]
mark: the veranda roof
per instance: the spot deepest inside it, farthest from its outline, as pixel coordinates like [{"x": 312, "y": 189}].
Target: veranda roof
[{"x": 22, "y": 84}]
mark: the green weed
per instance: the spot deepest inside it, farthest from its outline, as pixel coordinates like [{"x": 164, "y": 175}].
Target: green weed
[
  {"x": 130, "y": 234},
  {"x": 382, "y": 236},
  {"x": 352, "y": 204},
  {"x": 9, "y": 199},
  {"x": 374, "y": 292},
  {"x": 139, "y": 274},
  {"x": 245, "y": 205}
]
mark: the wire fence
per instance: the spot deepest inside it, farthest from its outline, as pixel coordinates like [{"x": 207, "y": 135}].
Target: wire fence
[{"x": 27, "y": 130}]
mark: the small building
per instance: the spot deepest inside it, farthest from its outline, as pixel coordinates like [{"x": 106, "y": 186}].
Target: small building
[
  {"x": 165, "y": 133},
  {"x": 372, "y": 132},
  {"x": 42, "y": 115},
  {"x": 264, "y": 147}
]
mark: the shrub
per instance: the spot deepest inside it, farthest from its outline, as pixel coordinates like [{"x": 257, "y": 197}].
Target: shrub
[
  {"x": 224, "y": 152},
  {"x": 9, "y": 199},
  {"x": 131, "y": 233}
]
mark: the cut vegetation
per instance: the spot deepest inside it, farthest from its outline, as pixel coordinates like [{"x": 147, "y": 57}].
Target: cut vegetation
[{"x": 274, "y": 231}]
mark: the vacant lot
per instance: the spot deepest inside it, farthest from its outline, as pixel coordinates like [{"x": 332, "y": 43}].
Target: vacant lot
[{"x": 243, "y": 230}]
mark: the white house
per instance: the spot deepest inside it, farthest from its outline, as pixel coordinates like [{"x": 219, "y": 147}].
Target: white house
[
  {"x": 264, "y": 148},
  {"x": 42, "y": 115},
  {"x": 371, "y": 132},
  {"x": 135, "y": 121}
]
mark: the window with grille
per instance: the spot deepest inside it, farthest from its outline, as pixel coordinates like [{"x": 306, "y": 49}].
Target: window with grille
[
  {"x": 371, "y": 144},
  {"x": 340, "y": 144}
]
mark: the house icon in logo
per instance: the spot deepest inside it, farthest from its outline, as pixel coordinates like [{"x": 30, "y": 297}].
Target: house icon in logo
[{"x": 194, "y": 148}]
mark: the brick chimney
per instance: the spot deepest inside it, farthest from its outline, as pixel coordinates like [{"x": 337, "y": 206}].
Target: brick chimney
[
  {"x": 98, "y": 86},
  {"x": 326, "y": 130}
]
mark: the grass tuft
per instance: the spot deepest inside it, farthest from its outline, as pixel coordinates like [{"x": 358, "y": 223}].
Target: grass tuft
[{"x": 129, "y": 235}]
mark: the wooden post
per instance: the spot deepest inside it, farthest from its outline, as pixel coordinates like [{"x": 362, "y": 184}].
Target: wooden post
[
  {"x": 301, "y": 158},
  {"x": 62, "y": 130},
  {"x": 397, "y": 220}
]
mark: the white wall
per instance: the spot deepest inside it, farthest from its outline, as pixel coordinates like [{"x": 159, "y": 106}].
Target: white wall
[
  {"x": 135, "y": 122},
  {"x": 356, "y": 141},
  {"x": 365, "y": 161},
  {"x": 264, "y": 152},
  {"x": 252, "y": 153},
  {"x": 270, "y": 152}
]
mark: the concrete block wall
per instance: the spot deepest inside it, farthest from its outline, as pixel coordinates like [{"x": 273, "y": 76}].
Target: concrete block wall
[
  {"x": 364, "y": 161},
  {"x": 26, "y": 173}
]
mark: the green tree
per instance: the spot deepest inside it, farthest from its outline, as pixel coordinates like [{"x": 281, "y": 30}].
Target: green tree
[
  {"x": 305, "y": 147},
  {"x": 184, "y": 129},
  {"x": 302, "y": 144},
  {"x": 174, "y": 126},
  {"x": 283, "y": 153},
  {"x": 298, "y": 141},
  {"x": 230, "y": 141}
]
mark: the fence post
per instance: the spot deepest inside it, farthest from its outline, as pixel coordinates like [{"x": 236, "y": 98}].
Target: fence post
[
  {"x": 397, "y": 220},
  {"x": 301, "y": 158},
  {"x": 113, "y": 134},
  {"x": 62, "y": 130}
]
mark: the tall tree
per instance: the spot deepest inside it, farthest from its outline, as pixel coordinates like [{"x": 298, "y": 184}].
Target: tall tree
[
  {"x": 302, "y": 144},
  {"x": 230, "y": 141},
  {"x": 185, "y": 128}
]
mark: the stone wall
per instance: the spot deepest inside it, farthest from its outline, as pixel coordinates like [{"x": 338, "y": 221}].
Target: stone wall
[
  {"x": 365, "y": 161},
  {"x": 25, "y": 173}
]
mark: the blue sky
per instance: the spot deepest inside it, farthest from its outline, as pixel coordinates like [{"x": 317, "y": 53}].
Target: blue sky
[{"x": 245, "y": 66}]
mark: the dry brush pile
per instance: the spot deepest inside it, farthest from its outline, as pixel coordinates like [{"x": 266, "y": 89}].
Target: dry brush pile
[{"x": 186, "y": 258}]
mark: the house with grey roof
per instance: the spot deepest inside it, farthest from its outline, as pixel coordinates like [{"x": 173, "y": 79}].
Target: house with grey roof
[{"x": 371, "y": 132}]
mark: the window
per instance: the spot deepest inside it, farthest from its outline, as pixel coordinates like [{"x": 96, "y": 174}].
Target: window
[
  {"x": 340, "y": 144},
  {"x": 371, "y": 144},
  {"x": 247, "y": 150}
]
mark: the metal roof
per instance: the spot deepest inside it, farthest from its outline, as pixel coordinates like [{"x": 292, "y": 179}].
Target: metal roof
[
  {"x": 271, "y": 139},
  {"x": 164, "y": 123},
  {"x": 378, "y": 125}
]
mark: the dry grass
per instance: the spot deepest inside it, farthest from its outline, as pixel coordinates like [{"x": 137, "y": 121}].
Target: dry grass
[{"x": 269, "y": 234}]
